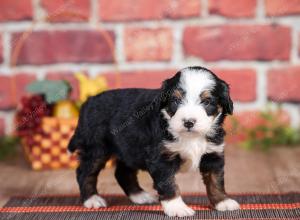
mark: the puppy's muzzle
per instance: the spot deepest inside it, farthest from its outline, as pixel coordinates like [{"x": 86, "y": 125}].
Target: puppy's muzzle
[{"x": 189, "y": 123}]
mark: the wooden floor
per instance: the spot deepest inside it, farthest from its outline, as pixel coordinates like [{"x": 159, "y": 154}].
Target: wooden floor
[{"x": 246, "y": 171}]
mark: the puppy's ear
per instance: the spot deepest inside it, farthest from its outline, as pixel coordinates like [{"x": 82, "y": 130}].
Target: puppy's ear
[
  {"x": 168, "y": 87},
  {"x": 226, "y": 101}
]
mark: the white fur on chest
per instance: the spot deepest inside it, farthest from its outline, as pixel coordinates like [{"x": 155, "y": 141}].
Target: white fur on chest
[{"x": 191, "y": 150}]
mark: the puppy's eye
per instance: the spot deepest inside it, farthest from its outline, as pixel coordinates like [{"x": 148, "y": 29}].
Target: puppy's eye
[
  {"x": 176, "y": 100},
  {"x": 174, "y": 103},
  {"x": 206, "y": 101}
]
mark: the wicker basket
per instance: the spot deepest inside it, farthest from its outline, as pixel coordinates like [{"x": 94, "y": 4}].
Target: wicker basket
[{"x": 48, "y": 148}]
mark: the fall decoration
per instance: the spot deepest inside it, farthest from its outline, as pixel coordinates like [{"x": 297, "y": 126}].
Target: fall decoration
[
  {"x": 53, "y": 91},
  {"x": 46, "y": 120},
  {"x": 271, "y": 129},
  {"x": 89, "y": 87},
  {"x": 47, "y": 149},
  {"x": 65, "y": 109}
]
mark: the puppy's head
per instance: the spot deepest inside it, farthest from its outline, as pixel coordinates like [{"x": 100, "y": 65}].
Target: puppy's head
[{"x": 197, "y": 102}]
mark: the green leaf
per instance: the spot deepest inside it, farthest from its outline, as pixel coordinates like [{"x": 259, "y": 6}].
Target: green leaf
[
  {"x": 8, "y": 146},
  {"x": 54, "y": 91}
]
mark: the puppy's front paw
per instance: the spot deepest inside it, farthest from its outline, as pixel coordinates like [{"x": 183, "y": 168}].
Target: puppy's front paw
[
  {"x": 227, "y": 205},
  {"x": 94, "y": 202},
  {"x": 176, "y": 207},
  {"x": 143, "y": 198}
]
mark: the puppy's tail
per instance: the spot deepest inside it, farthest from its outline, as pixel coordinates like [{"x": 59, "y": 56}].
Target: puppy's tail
[{"x": 74, "y": 143}]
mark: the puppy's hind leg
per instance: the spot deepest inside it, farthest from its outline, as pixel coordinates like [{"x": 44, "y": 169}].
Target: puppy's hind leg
[
  {"x": 127, "y": 179},
  {"x": 87, "y": 174}
]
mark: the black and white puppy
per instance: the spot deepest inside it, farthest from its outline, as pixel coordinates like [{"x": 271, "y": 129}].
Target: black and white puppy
[{"x": 162, "y": 131}]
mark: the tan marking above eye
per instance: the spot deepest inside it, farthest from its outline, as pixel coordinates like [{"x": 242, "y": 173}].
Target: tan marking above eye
[
  {"x": 205, "y": 95},
  {"x": 177, "y": 94}
]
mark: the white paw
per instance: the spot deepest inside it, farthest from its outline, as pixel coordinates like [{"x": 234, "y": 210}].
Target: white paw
[
  {"x": 176, "y": 207},
  {"x": 227, "y": 205},
  {"x": 143, "y": 198},
  {"x": 95, "y": 201}
]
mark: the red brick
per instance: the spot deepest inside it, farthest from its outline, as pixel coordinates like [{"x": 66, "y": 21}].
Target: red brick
[
  {"x": 61, "y": 10},
  {"x": 299, "y": 45},
  {"x": 21, "y": 81},
  {"x": 7, "y": 97},
  {"x": 14, "y": 10},
  {"x": 66, "y": 46},
  {"x": 1, "y": 50},
  {"x": 129, "y": 10},
  {"x": 148, "y": 44},
  {"x": 12, "y": 88},
  {"x": 283, "y": 84},
  {"x": 233, "y": 8},
  {"x": 282, "y": 7},
  {"x": 68, "y": 76},
  {"x": 238, "y": 42},
  {"x": 139, "y": 79},
  {"x": 2, "y": 126},
  {"x": 182, "y": 9},
  {"x": 242, "y": 83}
]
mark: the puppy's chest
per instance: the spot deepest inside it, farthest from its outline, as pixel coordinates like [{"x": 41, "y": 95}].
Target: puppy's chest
[{"x": 191, "y": 151}]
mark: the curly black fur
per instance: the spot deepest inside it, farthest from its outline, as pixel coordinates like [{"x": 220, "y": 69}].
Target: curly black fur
[{"x": 128, "y": 124}]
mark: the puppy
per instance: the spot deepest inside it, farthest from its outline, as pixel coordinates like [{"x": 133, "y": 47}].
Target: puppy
[{"x": 176, "y": 127}]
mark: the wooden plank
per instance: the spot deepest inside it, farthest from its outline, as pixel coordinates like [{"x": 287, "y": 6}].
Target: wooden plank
[
  {"x": 245, "y": 171},
  {"x": 285, "y": 162}
]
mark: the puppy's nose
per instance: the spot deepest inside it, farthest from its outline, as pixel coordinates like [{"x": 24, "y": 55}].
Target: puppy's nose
[{"x": 189, "y": 123}]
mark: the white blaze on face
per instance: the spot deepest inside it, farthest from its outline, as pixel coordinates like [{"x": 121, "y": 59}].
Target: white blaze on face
[
  {"x": 193, "y": 83},
  {"x": 192, "y": 144}
]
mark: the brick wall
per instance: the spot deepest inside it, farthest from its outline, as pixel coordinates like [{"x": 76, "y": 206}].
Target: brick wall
[{"x": 252, "y": 44}]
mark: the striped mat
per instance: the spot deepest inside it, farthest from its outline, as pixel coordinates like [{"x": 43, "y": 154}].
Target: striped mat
[{"x": 253, "y": 206}]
